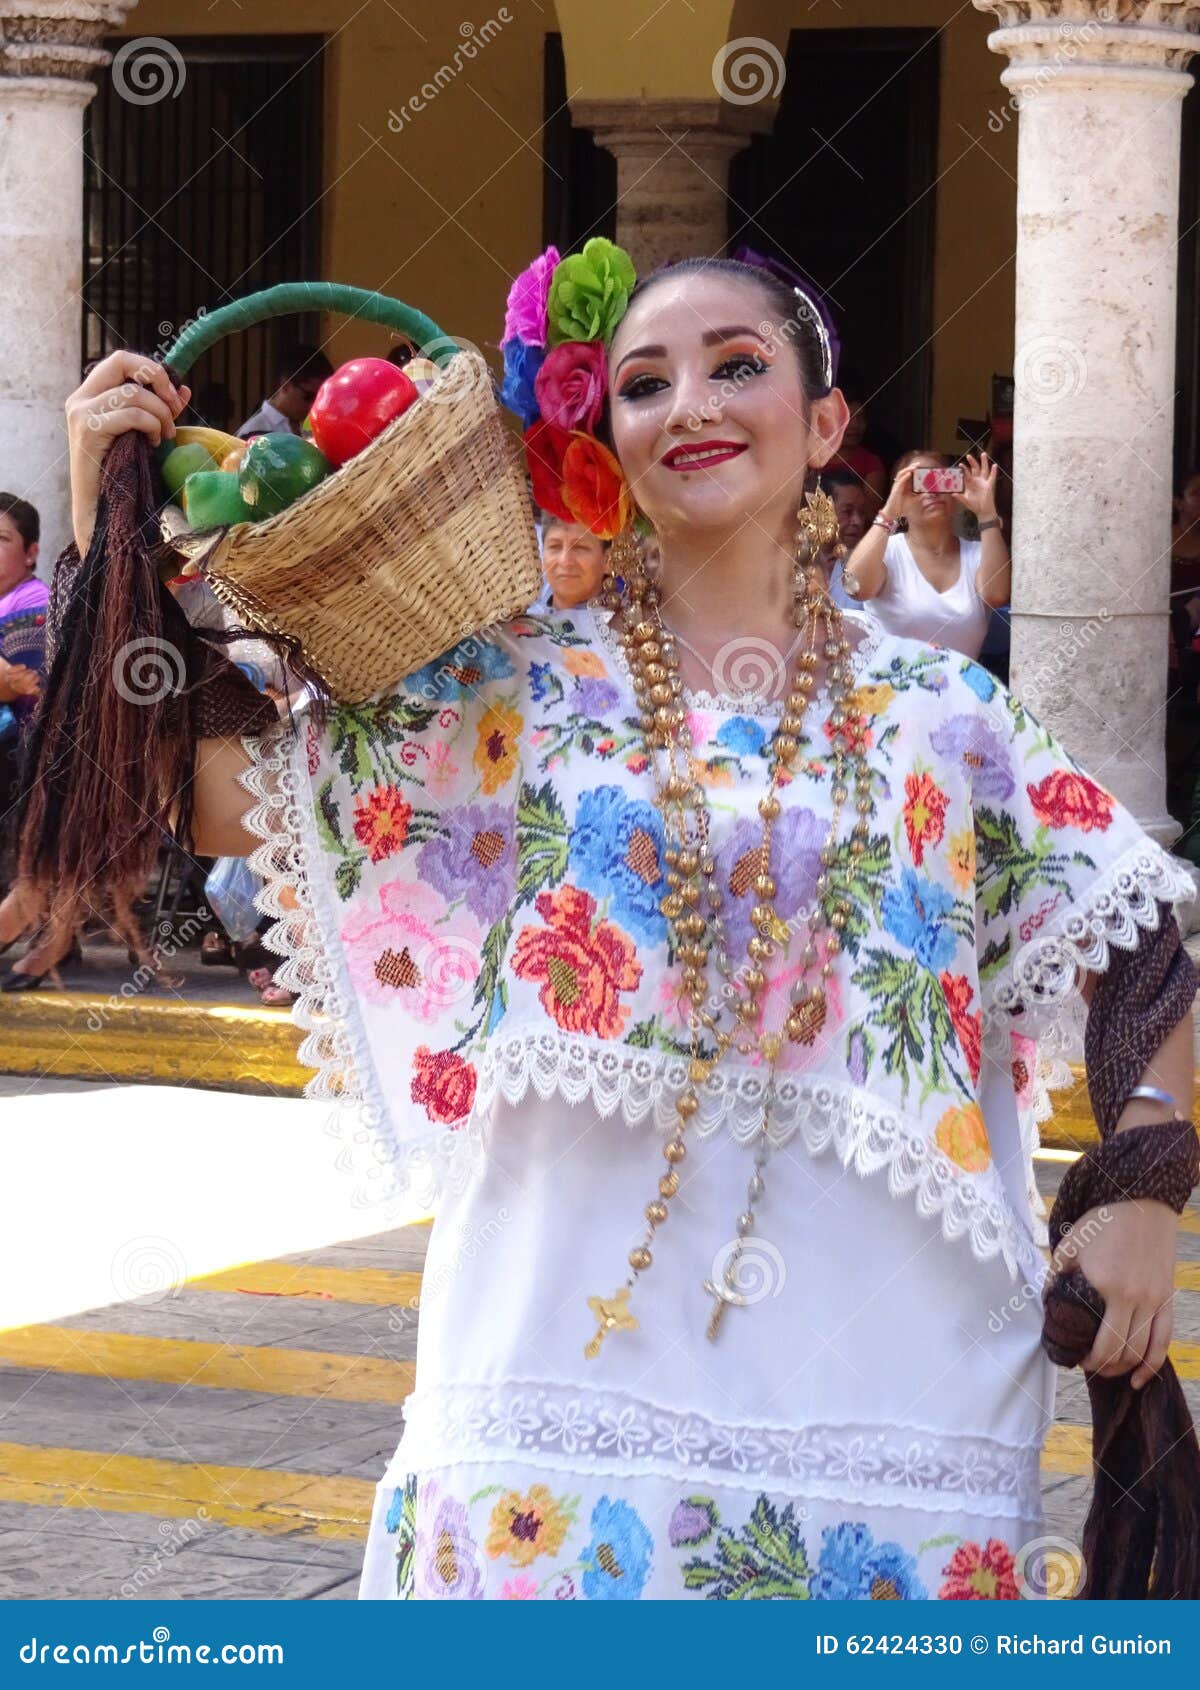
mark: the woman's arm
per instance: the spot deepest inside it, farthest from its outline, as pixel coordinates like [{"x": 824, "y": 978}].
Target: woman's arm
[
  {"x": 220, "y": 801},
  {"x": 994, "y": 578},
  {"x": 865, "y": 565},
  {"x": 1127, "y": 1249}
]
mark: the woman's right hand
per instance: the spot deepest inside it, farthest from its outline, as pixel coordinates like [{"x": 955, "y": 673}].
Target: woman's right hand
[
  {"x": 902, "y": 486},
  {"x": 126, "y": 390}
]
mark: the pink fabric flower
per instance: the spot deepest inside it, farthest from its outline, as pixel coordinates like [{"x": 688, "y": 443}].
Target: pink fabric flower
[
  {"x": 441, "y": 775},
  {"x": 571, "y": 384},
  {"x": 525, "y": 316},
  {"x": 400, "y": 950}
]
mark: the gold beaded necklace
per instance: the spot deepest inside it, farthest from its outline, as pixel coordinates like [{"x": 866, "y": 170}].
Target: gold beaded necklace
[{"x": 654, "y": 663}]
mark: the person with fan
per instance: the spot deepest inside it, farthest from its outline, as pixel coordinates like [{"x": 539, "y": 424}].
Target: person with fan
[{"x": 689, "y": 930}]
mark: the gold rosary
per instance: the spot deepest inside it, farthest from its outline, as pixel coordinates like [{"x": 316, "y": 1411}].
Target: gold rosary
[{"x": 693, "y": 903}]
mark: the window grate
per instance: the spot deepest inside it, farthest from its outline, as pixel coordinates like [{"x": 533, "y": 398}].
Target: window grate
[{"x": 203, "y": 196}]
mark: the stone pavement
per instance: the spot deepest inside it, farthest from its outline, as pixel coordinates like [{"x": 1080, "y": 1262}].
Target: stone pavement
[{"x": 224, "y": 1439}]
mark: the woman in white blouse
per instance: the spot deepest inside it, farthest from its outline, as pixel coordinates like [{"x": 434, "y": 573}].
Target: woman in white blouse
[{"x": 925, "y": 583}]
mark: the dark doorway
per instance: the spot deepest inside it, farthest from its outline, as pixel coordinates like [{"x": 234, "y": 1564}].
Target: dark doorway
[
  {"x": 844, "y": 189},
  {"x": 205, "y": 194},
  {"x": 579, "y": 178}
]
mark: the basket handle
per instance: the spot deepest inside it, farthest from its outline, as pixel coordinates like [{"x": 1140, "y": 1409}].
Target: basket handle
[{"x": 289, "y": 297}]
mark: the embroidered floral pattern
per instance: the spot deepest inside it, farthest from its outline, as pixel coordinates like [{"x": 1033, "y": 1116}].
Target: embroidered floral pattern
[
  {"x": 494, "y": 869},
  {"x": 980, "y": 1573},
  {"x": 533, "y": 1544},
  {"x": 582, "y": 965}
]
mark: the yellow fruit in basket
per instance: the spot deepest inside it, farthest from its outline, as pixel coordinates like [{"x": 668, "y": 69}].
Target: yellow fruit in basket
[
  {"x": 214, "y": 440},
  {"x": 422, "y": 372}
]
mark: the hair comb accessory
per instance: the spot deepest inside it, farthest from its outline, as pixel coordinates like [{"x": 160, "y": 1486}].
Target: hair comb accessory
[{"x": 811, "y": 303}]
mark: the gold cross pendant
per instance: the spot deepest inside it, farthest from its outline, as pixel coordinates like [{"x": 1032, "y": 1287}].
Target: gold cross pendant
[
  {"x": 725, "y": 1296},
  {"x": 613, "y": 1315}
]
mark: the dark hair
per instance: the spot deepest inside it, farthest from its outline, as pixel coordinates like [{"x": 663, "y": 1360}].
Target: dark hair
[
  {"x": 785, "y": 308},
  {"x": 300, "y": 362},
  {"x": 942, "y": 459},
  {"x": 25, "y": 518},
  {"x": 832, "y": 478}
]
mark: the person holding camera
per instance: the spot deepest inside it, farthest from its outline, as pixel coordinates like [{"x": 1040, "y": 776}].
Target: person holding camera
[{"x": 921, "y": 580}]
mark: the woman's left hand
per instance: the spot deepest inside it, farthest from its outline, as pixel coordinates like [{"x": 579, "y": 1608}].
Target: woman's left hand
[
  {"x": 979, "y": 485},
  {"x": 1127, "y": 1251}
]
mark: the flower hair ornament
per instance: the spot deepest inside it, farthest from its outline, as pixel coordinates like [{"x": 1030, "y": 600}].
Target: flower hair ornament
[{"x": 561, "y": 316}]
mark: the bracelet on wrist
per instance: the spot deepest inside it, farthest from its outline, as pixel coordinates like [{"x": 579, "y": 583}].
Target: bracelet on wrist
[
  {"x": 890, "y": 524},
  {"x": 989, "y": 522}
]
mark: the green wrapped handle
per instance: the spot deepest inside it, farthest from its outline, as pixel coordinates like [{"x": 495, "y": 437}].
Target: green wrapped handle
[{"x": 289, "y": 297}]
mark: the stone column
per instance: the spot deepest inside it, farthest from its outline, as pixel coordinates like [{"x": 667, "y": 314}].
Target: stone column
[
  {"x": 49, "y": 51},
  {"x": 1097, "y": 216},
  {"x": 672, "y": 169}
]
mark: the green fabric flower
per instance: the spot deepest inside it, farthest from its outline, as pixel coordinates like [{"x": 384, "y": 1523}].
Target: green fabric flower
[{"x": 589, "y": 292}]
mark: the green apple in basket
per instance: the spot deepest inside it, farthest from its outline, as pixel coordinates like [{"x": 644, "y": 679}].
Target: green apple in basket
[{"x": 278, "y": 469}]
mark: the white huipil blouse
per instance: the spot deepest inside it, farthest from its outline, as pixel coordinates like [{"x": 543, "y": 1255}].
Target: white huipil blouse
[{"x": 467, "y": 875}]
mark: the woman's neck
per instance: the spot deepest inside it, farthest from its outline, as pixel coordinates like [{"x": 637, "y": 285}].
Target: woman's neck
[
  {"x": 722, "y": 588},
  {"x": 933, "y": 536}
]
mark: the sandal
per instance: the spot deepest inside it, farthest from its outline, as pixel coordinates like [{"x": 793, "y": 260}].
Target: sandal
[
  {"x": 216, "y": 951},
  {"x": 273, "y": 996}
]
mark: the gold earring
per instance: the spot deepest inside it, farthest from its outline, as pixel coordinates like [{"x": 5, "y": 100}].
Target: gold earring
[{"x": 627, "y": 565}]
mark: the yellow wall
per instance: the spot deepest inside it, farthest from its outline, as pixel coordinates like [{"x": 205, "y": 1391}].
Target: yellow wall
[{"x": 443, "y": 212}]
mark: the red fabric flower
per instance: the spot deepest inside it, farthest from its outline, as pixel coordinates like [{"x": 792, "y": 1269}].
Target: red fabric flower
[
  {"x": 980, "y": 1573},
  {"x": 594, "y": 486},
  {"x": 443, "y": 1084},
  {"x": 968, "y": 1028},
  {"x": 1065, "y": 799},
  {"x": 924, "y": 814},
  {"x": 571, "y": 384},
  {"x": 581, "y": 969},
  {"x": 544, "y": 448},
  {"x": 381, "y": 822}
]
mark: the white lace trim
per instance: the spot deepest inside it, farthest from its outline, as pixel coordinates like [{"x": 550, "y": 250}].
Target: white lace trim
[
  {"x": 1035, "y": 993},
  {"x": 864, "y": 1131},
  {"x": 743, "y": 703},
  {"x": 403, "y": 1178},
  {"x": 575, "y": 1429}
]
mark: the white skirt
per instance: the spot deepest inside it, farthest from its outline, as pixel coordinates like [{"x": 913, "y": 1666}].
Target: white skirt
[{"x": 869, "y": 1426}]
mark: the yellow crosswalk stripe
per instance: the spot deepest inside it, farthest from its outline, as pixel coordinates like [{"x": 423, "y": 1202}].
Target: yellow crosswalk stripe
[
  {"x": 1068, "y": 1450},
  {"x": 1187, "y": 1276},
  {"x": 377, "y": 1286},
  {"x": 228, "y": 1367},
  {"x": 257, "y": 1499},
  {"x": 265, "y": 1500}
]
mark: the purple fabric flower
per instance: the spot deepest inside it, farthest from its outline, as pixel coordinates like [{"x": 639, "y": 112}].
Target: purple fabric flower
[
  {"x": 795, "y": 864},
  {"x": 595, "y": 697},
  {"x": 477, "y": 860},
  {"x": 448, "y": 1558},
  {"x": 981, "y": 750},
  {"x": 521, "y": 365},
  {"x": 692, "y": 1520},
  {"x": 525, "y": 316}
]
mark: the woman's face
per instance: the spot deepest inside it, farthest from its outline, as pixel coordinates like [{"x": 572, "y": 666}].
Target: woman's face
[
  {"x": 1189, "y": 501},
  {"x": 573, "y": 560},
  {"x": 15, "y": 560},
  {"x": 709, "y": 416}
]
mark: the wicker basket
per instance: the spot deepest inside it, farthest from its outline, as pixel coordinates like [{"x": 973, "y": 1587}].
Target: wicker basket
[{"x": 420, "y": 540}]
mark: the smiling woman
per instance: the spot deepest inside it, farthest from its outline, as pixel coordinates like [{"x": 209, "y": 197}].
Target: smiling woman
[{"x": 694, "y": 945}]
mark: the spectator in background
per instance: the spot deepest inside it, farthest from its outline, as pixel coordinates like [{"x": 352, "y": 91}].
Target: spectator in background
[
  {"x": 573, "y": 562},
  {"x": 299, "y": 373},
  {"x": 925, "y": 583},
  {"x": 853, "y": 457},
  {"x": 23, "y": 600},
  {"x": 854, "y": 506}
]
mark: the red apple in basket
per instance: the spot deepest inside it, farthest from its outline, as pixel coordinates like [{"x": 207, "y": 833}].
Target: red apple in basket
[{"x": 356, "y": 403}]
